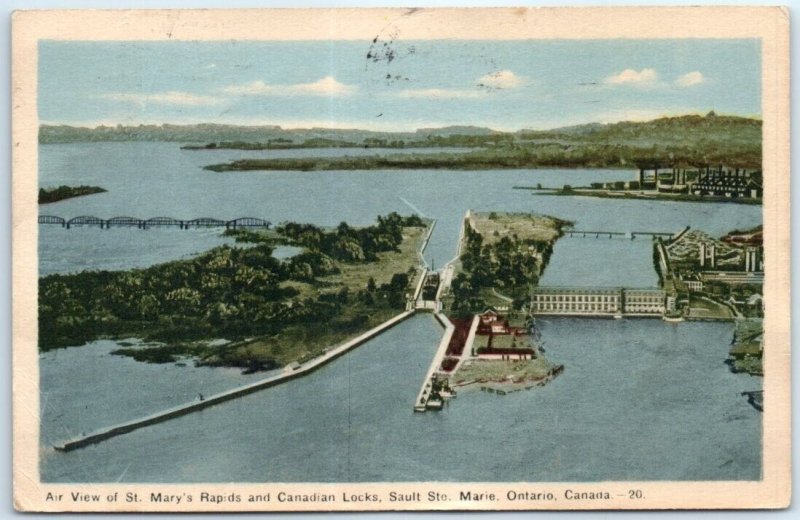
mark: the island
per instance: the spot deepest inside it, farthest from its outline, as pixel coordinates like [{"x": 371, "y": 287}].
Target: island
[
  {"x": 48, "y": 195},
  {"x": 239, "y": 306}
]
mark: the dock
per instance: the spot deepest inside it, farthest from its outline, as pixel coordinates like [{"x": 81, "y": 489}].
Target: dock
[{"x": 421, "y": 403}]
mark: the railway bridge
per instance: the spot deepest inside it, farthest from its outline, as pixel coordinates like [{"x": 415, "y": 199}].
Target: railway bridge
[
  {"x": 580, "y": 233},
  {"x": 139, "y": 223}
]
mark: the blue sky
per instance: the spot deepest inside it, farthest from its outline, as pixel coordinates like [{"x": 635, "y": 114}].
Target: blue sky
[{"x": 505, "y": 85}]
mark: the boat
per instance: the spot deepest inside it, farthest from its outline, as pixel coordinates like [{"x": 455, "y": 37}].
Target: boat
[{"x": 434, "y": 404}]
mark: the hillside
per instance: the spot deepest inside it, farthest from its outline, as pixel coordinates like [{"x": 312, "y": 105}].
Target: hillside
[
  {"x": 689, "y": 140},
  {"x": 665, "y": 130}
]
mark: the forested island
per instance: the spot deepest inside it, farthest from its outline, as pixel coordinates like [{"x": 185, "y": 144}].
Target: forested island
[
  {"x": 48, "y": 195},
  {"x": 272, "y": 312}
]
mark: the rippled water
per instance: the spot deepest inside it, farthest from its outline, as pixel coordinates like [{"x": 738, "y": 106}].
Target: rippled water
[{"x": 639, "y": 399}]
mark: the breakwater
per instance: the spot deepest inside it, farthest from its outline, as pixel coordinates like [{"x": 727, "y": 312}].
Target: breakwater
[
  {"x": 288, "y": 375},
  {"x": 185, "y": 409}
]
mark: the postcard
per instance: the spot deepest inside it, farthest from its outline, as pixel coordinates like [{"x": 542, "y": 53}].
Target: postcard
[{"x": 401, "y": 259}]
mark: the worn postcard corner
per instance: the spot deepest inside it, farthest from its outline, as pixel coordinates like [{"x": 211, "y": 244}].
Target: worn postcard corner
[{"x": 386, "y": 259}]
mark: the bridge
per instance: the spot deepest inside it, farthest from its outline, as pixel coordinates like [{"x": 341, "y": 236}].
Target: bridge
[
  {"x": 611, "y": 234},
  {"x": 139, "y": 223}
]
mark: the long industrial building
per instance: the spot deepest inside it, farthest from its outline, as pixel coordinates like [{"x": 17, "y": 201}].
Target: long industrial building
[{"x": 598, "y": 301}]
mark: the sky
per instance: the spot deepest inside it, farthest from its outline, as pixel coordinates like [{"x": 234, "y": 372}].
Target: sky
[{"x": 401, "y": 86}]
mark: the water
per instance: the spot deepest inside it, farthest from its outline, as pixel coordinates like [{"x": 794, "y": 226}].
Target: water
[
  {"x": 80, "y": 248},
  {"x": 601, "y": 262},
  {"x": 158, "y": 179},
  {"x": 137, "y": 389},
  {"x": 636, "y": 401}
]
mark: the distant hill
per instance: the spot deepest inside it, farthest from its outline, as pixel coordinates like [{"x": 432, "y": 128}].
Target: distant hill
[
  {"x": 457, "y": 130},
  {"x": 199, "y": 133},
  {"x": 209, "y": 132},
  {"x": 666, "y": 130},
  {"x": 688, "y": 140}
]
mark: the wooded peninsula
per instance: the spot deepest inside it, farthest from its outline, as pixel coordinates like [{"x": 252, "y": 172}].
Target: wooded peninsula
[{"x": 271, "y": 312}]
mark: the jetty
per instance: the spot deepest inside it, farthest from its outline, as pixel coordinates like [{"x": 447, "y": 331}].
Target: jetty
[
  {"x": 208, "y": 401},
  {"x": 290, "y": 372}
]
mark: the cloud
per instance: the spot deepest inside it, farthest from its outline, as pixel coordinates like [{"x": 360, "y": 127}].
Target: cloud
[
  {"x": 690, "y": 79},
  {"x": 173, "y": 97},
  {"x": 438, "y": 93},
  {"x": 630, "y": 77},
  {"x": 327, "y": 86},
  {"x": 501, "y": 79}
]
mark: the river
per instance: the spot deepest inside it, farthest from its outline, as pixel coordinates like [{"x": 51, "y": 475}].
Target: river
[{"x": 639, "y": 399}]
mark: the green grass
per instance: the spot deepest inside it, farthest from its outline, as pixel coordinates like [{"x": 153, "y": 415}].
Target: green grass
[
  {"x": 484, "y": 371},
  {"x": 705, "y": 308}
]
